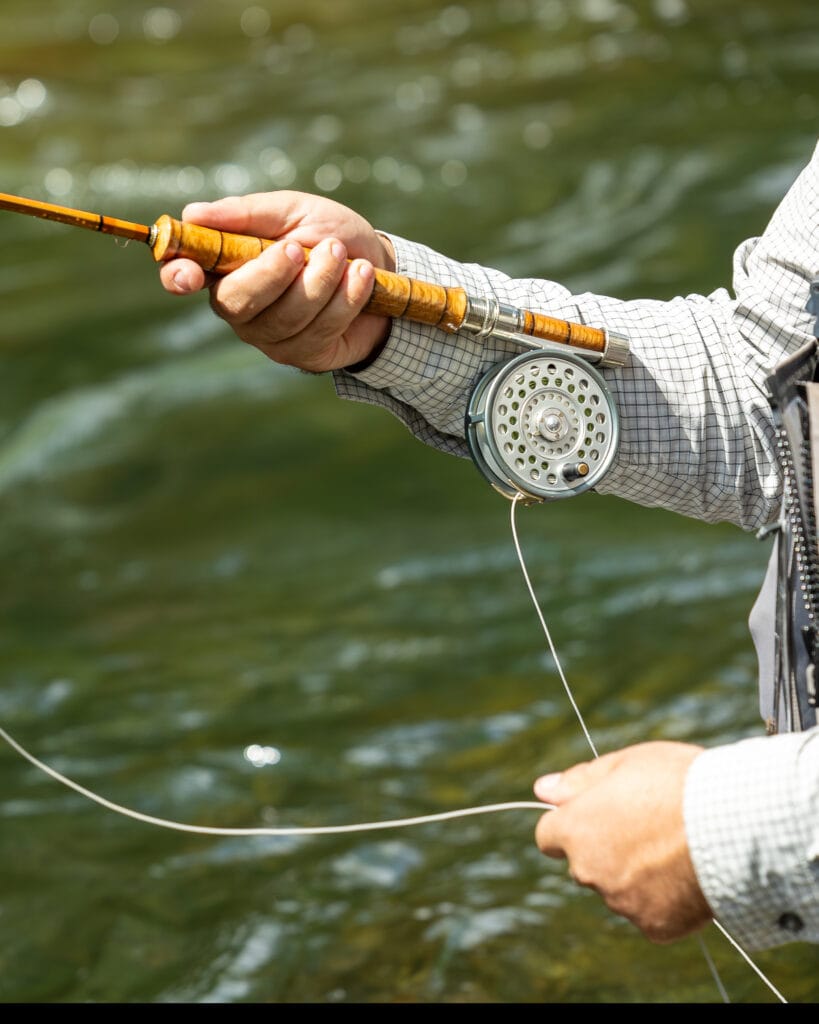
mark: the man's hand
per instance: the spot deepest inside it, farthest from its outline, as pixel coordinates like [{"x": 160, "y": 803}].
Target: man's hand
[
  {"x": 619, "y": 822},
  {"x": 300, "y": 312}
]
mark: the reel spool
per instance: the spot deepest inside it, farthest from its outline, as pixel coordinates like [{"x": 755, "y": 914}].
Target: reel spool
[{"x": 542, "y": 425}]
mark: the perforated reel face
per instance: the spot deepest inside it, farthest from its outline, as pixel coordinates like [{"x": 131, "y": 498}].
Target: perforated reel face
[{"x": 542, "y": 425}]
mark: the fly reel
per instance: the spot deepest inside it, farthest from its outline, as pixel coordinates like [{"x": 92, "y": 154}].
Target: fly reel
[{"x": 542, "y": 425}]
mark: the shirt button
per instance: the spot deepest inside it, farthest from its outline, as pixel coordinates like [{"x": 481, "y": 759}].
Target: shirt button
[{"x": 790, "y": 922}]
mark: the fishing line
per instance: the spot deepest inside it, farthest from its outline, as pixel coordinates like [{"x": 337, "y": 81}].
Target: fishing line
[
  {"x": 518, "y": 497},
  {"x": 372, "y": 826},
  {"x": 713, "y": 969},
  {"x": 554, "y": 417},
  {"x": 318, "y": 830}
]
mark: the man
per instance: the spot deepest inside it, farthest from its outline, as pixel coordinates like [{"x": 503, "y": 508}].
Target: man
[{"x": 669, "y": 834}]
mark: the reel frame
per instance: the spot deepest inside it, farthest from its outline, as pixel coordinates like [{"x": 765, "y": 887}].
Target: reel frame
[{"x": 542, "y": 425}]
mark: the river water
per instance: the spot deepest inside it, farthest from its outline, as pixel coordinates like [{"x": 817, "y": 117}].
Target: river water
[{"x": 230, "y": 599}]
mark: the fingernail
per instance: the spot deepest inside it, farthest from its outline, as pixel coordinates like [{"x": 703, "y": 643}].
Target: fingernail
[
  {"x": 365, "y": 270},
  {"x": 193, "y": 211},
  {"x": 294, "y": 252},
  {"x": 181, "y": 282},
  {"x": 544, "y": 786},
  {"x": 338, "y": 250}
]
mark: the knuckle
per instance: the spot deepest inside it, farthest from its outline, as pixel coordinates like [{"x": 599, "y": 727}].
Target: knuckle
[
  {"x": 286, "y": 323},
  {"x": 583, "y": 877},
  {"x": 324, "y": 270},
  {"x": 654, "y": 929},
  {"x": 323, "y": 283},
  {"x": 224, "y": 304},
  {"x": 581, "y": 869}
]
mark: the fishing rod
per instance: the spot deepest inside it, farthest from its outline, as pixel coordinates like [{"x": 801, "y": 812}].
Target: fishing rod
[
  {"x": 541, "y": 424},
  {"x": 540, "y": 404},
  {"x": 393, "y": 295}
]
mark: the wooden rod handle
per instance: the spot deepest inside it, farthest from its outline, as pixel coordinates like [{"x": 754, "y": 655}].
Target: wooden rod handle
[
  {"x": 398, "y": 296},
  {"x": 220, "y": 252},
  {"x": 216, "y": 252},
  {"x": 393, "y": 295},
  {"x": 566, "y": 332}
]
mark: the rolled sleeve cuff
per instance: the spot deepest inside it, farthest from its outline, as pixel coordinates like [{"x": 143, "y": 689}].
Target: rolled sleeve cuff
[
  {"x": 424, "y": 375},
  {"x": 752, "y": 817}
]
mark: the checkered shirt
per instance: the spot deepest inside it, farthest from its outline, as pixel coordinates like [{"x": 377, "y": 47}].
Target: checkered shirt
[{"x": 696, "y": 437}]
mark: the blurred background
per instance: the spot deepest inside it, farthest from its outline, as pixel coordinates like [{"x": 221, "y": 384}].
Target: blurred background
[{"x": 230, "y": 599}]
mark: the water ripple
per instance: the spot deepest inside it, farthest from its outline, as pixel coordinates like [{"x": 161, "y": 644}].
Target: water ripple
[{"x": 67, "y": 423}]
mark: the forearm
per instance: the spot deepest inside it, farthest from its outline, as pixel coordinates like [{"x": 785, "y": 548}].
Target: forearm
[
  {"x": 696, "y": 430},
  {"x": 697, "y": 434}
]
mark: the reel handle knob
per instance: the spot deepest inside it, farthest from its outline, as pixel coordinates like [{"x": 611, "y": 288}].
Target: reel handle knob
[{"x": 575, "y": 471}]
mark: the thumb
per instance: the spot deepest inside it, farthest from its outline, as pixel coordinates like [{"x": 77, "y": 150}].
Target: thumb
[
  {"x": 552, "y": 833},
  {"x": 549, "y": 788},
  {"x": 553, "y": 789},
  {"x": 558, "y": 787}
]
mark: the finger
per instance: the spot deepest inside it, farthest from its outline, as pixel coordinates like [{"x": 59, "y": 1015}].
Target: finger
[
  {"x": 328, "y": 341},
  {"x": 548, "y": 836},
  {"x": 548, "y": 788},
  {"x": 297, "y": 306},
  {"x": 330, "y": 327},
  {"x": 267, "y": 215},
  {"x": 240, "y": 297},
  {"x": 558, "y": 787},
  {"x": 229, "y": 214},
  {"x": 322, "y": 275},
  {"x": 576, "y": 780},
  {"x": 182, "y": 277}
]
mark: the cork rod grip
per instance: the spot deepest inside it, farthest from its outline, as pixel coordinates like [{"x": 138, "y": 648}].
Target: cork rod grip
[
  {"x": 565, "y": 331},
  {"x": 219, "y": 252},
  {"x": 393, "y": 295}
]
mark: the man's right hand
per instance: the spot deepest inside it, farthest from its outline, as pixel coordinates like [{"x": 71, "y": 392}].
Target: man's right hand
[{"x": 303, "y": 312}]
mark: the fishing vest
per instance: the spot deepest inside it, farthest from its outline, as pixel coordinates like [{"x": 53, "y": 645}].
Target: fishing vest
[{"x": 784, "y": 621}]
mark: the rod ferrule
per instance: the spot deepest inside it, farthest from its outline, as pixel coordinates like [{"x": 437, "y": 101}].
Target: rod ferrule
[{"x": 486, "y": 317}]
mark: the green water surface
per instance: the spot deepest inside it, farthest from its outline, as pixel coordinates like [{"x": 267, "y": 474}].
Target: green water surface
[{"x": 230, "y": 599}]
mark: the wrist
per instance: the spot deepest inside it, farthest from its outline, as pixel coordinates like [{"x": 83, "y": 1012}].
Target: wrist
[
  {"x": 374, "y": 353},
  {"x": 387, "y": 263},
  {"x": 389, "y": 252}
]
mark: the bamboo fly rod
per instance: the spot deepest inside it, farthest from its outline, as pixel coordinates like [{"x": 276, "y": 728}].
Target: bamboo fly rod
[{"x": 393, "y": 295}]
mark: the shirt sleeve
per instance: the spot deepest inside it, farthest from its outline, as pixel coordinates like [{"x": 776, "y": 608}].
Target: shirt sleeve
[
  {"x": 751, "y": 814},
  {"x": 696, "y": 433},
  {"x": 696, "y": 437}
]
